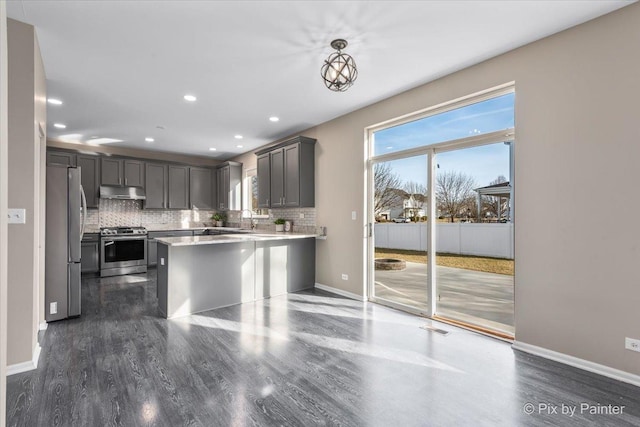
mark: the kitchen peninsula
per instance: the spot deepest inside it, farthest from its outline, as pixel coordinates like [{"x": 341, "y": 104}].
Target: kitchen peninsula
[{"x": 198, "y": 273}]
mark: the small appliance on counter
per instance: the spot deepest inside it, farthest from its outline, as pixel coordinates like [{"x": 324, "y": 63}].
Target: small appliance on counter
[
  {"x": 66, "y": 213},
  {"x": 123, "y": 250}
]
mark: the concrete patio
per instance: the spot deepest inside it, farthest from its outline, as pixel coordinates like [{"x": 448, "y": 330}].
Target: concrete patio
[{"x": 479, "y": 298}]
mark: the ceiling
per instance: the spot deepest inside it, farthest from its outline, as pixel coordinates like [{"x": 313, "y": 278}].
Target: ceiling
[{"x": 122, "y": 68}]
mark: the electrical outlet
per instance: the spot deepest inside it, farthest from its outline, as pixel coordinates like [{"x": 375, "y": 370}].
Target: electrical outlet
[
  {"x": 632, "y": 344},
  {"x": 345, "y": 277},
  {"x": 301, "y": 216},
  {"x": 161, "y": 261},
  {"x": 53, "y": 308}
]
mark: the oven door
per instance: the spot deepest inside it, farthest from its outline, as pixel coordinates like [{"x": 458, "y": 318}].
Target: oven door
[{"x": 123, "y": 251}]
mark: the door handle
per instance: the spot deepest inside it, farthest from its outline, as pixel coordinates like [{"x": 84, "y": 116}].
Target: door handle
[{"x": 111, "y": 242}]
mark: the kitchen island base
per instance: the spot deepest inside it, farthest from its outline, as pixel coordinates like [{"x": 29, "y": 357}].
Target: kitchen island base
[{"x": 200, "y": 277}]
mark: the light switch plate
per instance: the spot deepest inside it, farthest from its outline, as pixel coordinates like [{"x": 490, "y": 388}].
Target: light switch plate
[
  {"x": 353, "y": 215},
  {"x": 16, "y": 216}
]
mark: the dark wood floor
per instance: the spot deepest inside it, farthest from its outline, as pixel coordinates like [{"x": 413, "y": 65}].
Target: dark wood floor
[{"x": 299, "y": 360}]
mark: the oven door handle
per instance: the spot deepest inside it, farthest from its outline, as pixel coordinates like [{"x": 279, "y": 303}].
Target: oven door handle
[
  {"x": 113, "y": 239},
  {"x": 108, "y": 242}
]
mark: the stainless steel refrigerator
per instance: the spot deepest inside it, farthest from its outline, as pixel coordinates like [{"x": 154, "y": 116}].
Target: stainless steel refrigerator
[{"x": 66, "y": 213}]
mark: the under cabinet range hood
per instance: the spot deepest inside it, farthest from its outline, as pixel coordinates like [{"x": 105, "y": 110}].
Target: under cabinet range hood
[{"x": 122, "y": 193}]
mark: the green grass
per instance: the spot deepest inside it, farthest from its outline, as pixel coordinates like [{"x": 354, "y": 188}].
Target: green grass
[{"x": 468, "y": 262}]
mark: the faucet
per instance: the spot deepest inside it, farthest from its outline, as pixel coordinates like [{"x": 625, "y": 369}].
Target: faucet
[{"x": 253, "y": 225}]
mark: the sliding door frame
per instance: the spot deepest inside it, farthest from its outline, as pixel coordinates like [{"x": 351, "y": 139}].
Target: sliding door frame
[{"x": 505, "y": 135}]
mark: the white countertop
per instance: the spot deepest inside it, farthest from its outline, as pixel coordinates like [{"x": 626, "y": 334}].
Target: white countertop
[{"x": 230, "y": 238}]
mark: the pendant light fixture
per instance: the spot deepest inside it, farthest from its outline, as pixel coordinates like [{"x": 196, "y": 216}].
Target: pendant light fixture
[{"x": 339, "y": 70}]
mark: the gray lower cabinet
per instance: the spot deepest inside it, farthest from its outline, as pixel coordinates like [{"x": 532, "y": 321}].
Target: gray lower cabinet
[
  {"x": 229, "y": 186},
  {"x": 90, "y": 178},
  {"x": 179, "y": 187},
  {"x": 201, "y": 188},
  {"x": 155, "y": 186},
  {"x": 152, "y": 243},
  {"x": 203, "y": 277},
  {"x": 288, "y": 179},
  {"x": 90, "y": 253}
]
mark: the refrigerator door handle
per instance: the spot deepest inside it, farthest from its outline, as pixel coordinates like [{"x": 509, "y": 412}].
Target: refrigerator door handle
[{"x": 84, "y": 211}]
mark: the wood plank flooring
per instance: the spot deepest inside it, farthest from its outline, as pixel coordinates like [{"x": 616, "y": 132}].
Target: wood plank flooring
[{"x": 305, "y": 359}]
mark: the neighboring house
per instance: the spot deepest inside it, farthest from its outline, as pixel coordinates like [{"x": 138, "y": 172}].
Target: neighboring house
[{"x": 405, "y": 206}]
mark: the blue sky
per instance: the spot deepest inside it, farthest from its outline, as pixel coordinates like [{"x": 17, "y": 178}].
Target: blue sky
[{"x": 483, "y": 163}]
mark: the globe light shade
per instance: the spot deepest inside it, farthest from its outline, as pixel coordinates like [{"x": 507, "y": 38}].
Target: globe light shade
[{"x": 339, "y": 69}]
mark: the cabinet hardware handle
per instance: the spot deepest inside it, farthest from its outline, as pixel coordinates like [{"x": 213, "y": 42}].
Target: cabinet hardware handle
[{"x": 125, "y": 181}]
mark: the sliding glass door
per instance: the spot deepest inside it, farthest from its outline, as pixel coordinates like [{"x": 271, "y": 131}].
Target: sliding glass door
[
  {"x": 400, "y": 235},
  {"x": 440, "y": 195}
]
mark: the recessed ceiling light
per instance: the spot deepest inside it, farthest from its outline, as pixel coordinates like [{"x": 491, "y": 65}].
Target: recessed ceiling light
[
  {"x": 190, "y": 98},
  {"x": 54, "y": 101},
  {"x": 59, "y": 125},
  {"x": 149, "y": 139},
  {"x": 239, "y": 146},
  {"x": 238, "y": 137},
  {"x": 274, "y": 119},
  {"x": 212, "y": 149}
]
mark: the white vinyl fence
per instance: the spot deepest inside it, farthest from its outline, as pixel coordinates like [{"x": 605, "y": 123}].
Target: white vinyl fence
[{"x": 493, "y": 240}]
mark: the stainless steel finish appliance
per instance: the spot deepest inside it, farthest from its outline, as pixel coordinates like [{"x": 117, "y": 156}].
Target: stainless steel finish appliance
[
  {"x": 123, "y": 250},
  {"x": 66, "y": 214},
  {"x": 126, "y": 193}
]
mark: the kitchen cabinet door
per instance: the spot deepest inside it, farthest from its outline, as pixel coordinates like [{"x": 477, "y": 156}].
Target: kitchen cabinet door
[
  {"x": 291, "y": 185},
  {"x": 155, "y": 186},
  {"x": 178, "y": 187},
  {"x": 200, "y": 188},
  {"x": 133, "y": 173},
  {"x": 61, "y": 158},
  {"x": 264, "y": 181},
  {"x": 90, "y": 178},
  {"x": 90, "y": 253},
  {"x": 277, "y": 178},
  {"x": 110, "y": 171}
]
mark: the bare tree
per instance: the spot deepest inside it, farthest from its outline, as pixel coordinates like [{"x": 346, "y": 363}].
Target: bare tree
[
  {"x": 387, "y": 191},
  {"x": 454, "y": 193},
  {"x": 417, "y": 195}
]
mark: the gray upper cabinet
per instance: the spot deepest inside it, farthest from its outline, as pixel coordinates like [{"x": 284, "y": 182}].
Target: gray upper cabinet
[
  {"x": 122, "y": 172},
  {"x": 264, "y": 181},
  {"x": 179, "y": 187},
  {"x": 90, "y": 178},
  {"x": 229, "y": 186},
  {"x": 277, "y": 178},
  {"x": 133, "y": 173},
  {"x": 110, "y": 171},
  {"x": 290, "y": 174},
  {"x": 201, "y": 188},
  {"x": 61, "y": 158},
  {"x": 156, "y": 186}
]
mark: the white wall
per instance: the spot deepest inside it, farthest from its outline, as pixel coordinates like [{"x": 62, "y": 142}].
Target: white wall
[
  {"x": 492, "y": 240},
  {"x": 26, "y": 110},
  {"x": 3, "y": 210}
]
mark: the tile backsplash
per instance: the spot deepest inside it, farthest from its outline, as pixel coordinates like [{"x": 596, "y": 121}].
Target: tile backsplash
[{"x": 114, "y": 213}]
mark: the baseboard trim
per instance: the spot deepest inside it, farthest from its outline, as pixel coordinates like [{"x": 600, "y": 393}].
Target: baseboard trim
[
  {"x": 18, "y": 368},
  {"x": 576, "y": 362},
  {"x": 340, "y": 292},
  {"x": 43, "y": 326}
]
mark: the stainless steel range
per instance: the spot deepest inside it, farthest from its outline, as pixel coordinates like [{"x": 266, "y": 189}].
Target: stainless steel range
[{"x": 123, "y": 250}]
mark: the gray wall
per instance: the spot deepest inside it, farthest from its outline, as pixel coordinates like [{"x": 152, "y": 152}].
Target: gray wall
[
  {"x": 577, "y": 144},
  {"x": 3, "y": 210},
  {"x": 27, "y": 110}
]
